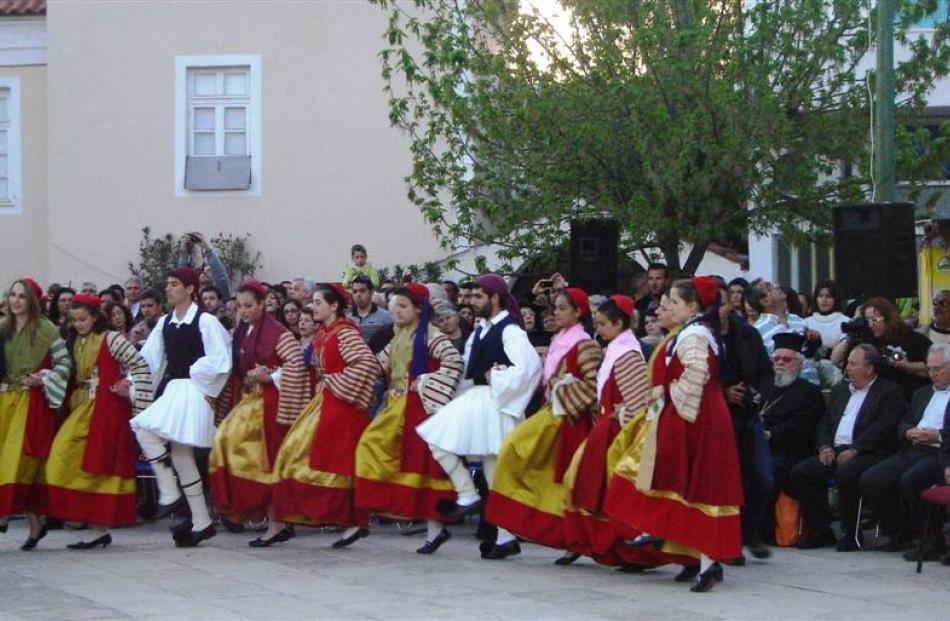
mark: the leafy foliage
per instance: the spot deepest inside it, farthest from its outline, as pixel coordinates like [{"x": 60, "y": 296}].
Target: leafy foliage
[
  {"x": 156, "y": 258},
  {"x": 239, "y": 260},
  {"x": 687, "y": 120}
]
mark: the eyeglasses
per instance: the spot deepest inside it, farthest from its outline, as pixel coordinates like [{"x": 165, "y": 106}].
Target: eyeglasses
[
  {"x": 940, "y": 302},
  {"x": 780, "y": 358}
]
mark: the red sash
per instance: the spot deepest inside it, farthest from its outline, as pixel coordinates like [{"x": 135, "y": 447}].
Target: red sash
[
  {"x": 110, "y": 447},
  {"x": 40, "y": 419}
]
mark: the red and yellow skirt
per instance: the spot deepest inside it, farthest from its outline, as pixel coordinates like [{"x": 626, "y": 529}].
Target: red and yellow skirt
[
  {"x": 319, "y": 496},
  {"x": 76, "y": 495},
  {"x": 240, "y": 468},
  {"x": 588, "y": 529},
  {"x": 528, "y": 494},
  {"x": 22, "y": 481}
]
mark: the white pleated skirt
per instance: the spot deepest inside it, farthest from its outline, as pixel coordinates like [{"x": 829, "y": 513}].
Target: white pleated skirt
[
  {"x": 471, "y": 424},
  {"x": 180, "y": 415}
]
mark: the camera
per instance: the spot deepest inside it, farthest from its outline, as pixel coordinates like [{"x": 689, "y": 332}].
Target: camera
[
  {"x": 896, "y": 353},
  {"x": 858, "y": 329}
]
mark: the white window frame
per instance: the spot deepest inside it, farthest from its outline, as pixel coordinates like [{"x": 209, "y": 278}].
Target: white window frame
[
  {"x": 183, "y": 121},
  {"x": 13, "y": 205}
]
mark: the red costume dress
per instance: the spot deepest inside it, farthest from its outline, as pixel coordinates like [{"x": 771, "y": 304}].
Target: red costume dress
[
  {"x": 683, "y": 484},
  {"x": 316, "y": 462}
]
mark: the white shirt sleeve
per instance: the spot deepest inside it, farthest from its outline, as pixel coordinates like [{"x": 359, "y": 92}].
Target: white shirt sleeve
[
  {"x": 153, "y": 351},
  {"x": 513, "y": 386},
  {"x": 210, "y": 372}
]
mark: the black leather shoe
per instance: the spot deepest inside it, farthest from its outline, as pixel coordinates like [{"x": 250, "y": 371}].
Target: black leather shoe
[
  {"x": 192, "y": 538},
  {"x": 431, "y": 546},
  {"x": 738, "y": 561},
  {"x": 31, "y": 542},
  {"x": 3, "y": 528},
  {"x": 359, "y": 534},
  {"x": 284, "y": 534},
  {"x": 822, "y": 539},
  {"x": 181, "y": 529},
  {"x": 89, "y": 545},
  {"x": 641, "y": 541},
  {"x": 453, "y": 511},
  {"x": 847, "y": 544},
  {"x": 759, "y": 550},
  {"x": 708, "y": 579},
  {"x": 632, "y": 568},
  {"x": 163, "y": 511},
  {"x": 498, "y": 552},
  {"x": 232, "y": 527},
  {"x": 687, "y": 573},
  {"x": 485, "y": 546},
  {"x": 567, "y": 559}
]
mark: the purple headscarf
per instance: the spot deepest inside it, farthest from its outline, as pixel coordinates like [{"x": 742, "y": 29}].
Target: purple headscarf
[{"x": 494, "y": 284}]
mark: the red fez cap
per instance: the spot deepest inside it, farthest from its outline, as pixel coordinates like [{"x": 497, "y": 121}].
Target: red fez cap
[
  {"x": 186, "y": 275},
  {"x": 35, "y": 286},
  {"x": 343, "y": 293},
  {"x": 580, "y": 300},
  {"x": 624, "y": 303},
  {"x": 419, "y": 290},
  {"x": 256, "y": 285},
  {"x": 89, "y": 299},
  {"x": 706, "y": 290}
]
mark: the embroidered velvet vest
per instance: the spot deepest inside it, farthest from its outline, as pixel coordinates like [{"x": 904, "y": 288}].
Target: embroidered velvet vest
[
  {"x": 487, "y": 351},
  {"x": 183, "y": 346}
]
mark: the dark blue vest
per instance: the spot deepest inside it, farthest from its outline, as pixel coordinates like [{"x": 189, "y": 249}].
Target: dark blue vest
[
  {"x": 183, "y": 346},
  {"x": 487, "y": 351}
]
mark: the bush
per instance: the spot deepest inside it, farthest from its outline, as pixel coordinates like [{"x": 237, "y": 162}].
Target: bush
[{"x": 156, "y": 258}]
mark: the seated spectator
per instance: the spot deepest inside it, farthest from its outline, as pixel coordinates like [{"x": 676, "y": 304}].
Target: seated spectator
[
  {"x": 938, "y": 330},
  {"x": 791, "y": 409},
  {"x": 360, "y": 266},
  {"x": 857, "y": 431},
  {"x": 446, "y": 317},
  {"x": 916, "y": 467},
  {"x": 904, "y": 351},
  {"x": 369, "y": 317},
  {"x": 776, "y": 317},
  {"x": 827, "y": 318}
]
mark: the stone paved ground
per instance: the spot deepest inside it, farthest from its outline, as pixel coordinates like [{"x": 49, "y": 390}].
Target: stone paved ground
[{"x": 143, "y": 577}]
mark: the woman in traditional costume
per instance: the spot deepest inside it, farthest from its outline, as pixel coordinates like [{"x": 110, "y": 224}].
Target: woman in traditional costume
[
  {"x": 266, "y": 392},
  {"x": 90, "y": 473},
  {"x": 37, "y": 370},
  {"x": 316, "y": 462},
  {"x": 396, "y": 473},
  {"x": 527, "y": 497},
  {"x": 687, "y": 488}
]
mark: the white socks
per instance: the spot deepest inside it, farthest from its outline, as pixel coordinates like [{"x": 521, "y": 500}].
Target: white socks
[
  {"x": 433, "y": 530},
  {"x": 183, "y": 457},
  {"x": 157, "y": 453},
  {"x": 349, "y": 532},
  {"x": 705, "y": 562},
  {"x": 458, "y": 474}
]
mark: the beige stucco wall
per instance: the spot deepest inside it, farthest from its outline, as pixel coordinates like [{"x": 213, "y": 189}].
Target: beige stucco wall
[
  {"x": 332, "y": 167},
  {"x": 23, "y": 249}
]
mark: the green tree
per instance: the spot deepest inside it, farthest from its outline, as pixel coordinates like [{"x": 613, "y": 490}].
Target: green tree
[{"x": 689, "y": 121}]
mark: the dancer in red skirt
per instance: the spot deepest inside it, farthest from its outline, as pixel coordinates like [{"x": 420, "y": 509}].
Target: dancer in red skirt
[{"x": 688, "y": 489}]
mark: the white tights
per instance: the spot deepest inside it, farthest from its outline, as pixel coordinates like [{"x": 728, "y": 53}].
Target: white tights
[{"x": 183, "y": 460}]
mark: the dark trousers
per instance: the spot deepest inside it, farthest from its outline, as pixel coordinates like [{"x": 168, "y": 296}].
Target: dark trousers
[
  {"x": 902, "y": 476},
  {"x": 810, "y": 479},
  {"x": 755, "y": 463}
]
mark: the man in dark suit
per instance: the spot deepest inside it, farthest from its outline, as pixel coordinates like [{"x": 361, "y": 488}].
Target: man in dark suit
[
  {"x": 922, "y": 432},
  {"x": 858, "y": 430},
  {"x": 791, "y": 410}
]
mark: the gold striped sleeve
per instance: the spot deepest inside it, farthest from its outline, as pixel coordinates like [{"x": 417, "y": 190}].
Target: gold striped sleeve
[
  {"x": 437, "y": 388},
  {"x": 54, "y": 382},
  {"x": 687, "y": 392},
  {"x": 578, "y": 397},
  {"x": 294, "y": 383},
  {"x": 354, "y": 384},
  {"x": 125, "y": 354},
  {"x": 630, "y": 373}
]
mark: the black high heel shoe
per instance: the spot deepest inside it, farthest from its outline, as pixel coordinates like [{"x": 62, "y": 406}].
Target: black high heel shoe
[
  {"x": 641, "y": 541},
  {"x": 687, "y": 573},
  {"x": 285, "y": 534},
  {"x": 708, "y": 579},
  {"x": 359, "y": 534},
  {"x": 31, "y": 542},
  {"x": 89, "y": 545},
  {"x": 567, "y": 559}
]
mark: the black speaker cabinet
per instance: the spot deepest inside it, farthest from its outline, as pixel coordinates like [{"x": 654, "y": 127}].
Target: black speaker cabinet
[
  {"x": 875, "y": 251},
  {"x": 595, "y": 255}
]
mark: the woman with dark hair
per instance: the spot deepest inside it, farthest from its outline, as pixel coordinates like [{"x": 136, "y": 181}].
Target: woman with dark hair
[
  {"x": 108, "y": 297},
  {"x": 90, "y": 473},
  {"x": 904, "y": 351},
  {"x": 688, "y": 489},
  {"x": 531, "y": 505},
  {"x": 267, "y": 390},
  {"x": 273, "y": 305},
  {"x": 119, "y": 317},
  {"x": 396, "y": 474},
  {"x": 291, "y": 312},
  {"x": 753, "y": 305},
  {"x": 827, "y": 318},
  {"x": 316, "y": 462},
  {"x": 58, "y": 311},
  {"x": 38, "y": 367}
]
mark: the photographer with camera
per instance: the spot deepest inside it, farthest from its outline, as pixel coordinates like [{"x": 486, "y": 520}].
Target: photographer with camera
[
  {"x": 195, "y": 252},
  {"x": 546, "y": 289},
  {"x": 904, "y": 351}
]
